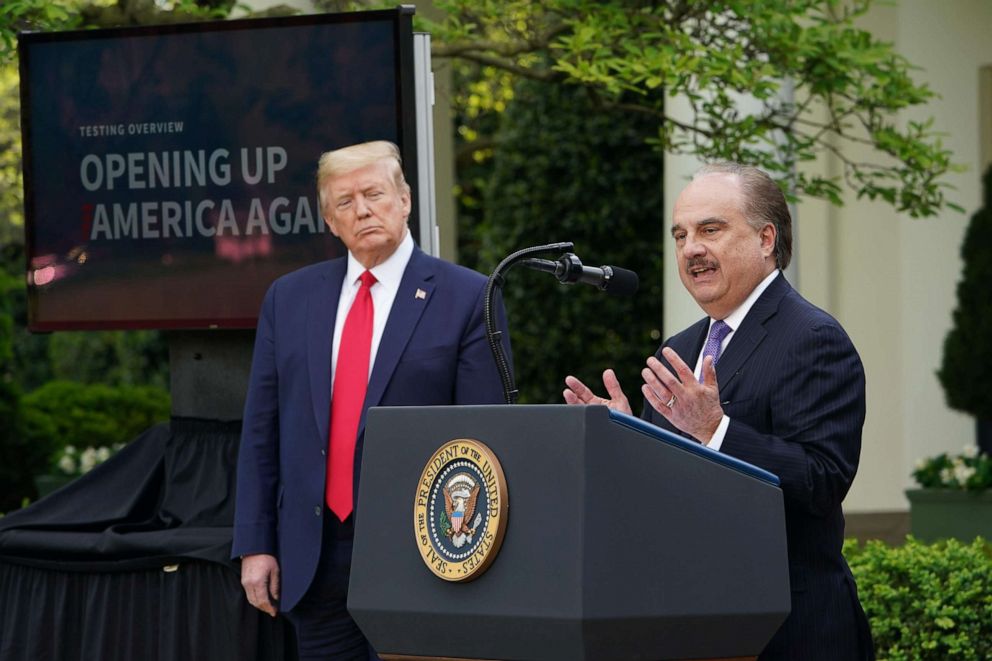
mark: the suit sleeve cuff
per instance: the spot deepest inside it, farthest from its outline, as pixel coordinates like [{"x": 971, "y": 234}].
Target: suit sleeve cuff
[{"x": 251, "y": 540}]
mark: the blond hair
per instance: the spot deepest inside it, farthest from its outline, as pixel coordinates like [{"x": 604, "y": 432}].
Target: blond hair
[{"x": 355, "y": 157}]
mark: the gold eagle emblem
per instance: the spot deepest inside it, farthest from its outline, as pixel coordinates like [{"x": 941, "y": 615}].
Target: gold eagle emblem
[{"x": 460, "y": 495}]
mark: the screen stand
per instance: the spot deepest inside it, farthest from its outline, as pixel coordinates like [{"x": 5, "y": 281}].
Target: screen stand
[{"x": 208, "y": 373}]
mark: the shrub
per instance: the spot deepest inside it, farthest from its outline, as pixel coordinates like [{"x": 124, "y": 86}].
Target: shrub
[
  {"x": 92, "y": 414},
  {"x": 926, "y": 602},
  {"x": 966, "y": 370},
  {"x": 62, "y": 413},
  {"x": 118, "y": 358}
]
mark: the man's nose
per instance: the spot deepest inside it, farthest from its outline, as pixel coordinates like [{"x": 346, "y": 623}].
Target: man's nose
[
  {"x": 362, "y": 208},
  {"x": 692, "y": 248}
]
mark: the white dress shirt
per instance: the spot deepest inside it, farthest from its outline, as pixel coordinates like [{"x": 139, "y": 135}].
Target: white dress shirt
[
  {"x": 388, "y": 276},
  {"x": 733, "y": 320}
]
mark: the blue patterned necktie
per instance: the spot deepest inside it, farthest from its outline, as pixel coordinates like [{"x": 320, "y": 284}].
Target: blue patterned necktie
[{"x": 718, "y": 331}]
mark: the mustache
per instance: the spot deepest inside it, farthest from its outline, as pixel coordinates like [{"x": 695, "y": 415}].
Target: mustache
[{"x": 700, "y": 262}]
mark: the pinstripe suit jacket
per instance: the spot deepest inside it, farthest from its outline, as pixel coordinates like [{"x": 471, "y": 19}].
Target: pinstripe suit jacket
[{"x": 792, "y": 384}]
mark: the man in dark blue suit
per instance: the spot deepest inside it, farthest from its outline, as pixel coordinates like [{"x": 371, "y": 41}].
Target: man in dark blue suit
[
  {"x": 776, "y": 383},
  {"x": 388, "y": 325}
]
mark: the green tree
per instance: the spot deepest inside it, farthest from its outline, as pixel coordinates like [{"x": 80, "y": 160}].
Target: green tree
[
  {"x": 117, "y": 358},
  {"x": 38, "y": 15},
  {"x": 847, "y": 86},
  {"x": 65, "y": 413},
  {"x": 966, "y": 372},
  {"x": 566, "y": 170},
  {"x": 11, "y": 204}
]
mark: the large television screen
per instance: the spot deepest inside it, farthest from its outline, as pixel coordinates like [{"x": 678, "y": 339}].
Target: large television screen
[{"x": 169, "y": 171}]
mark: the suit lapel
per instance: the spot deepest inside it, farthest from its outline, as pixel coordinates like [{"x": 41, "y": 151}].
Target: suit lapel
[
  {"x": 322, "y": 308},
  {"x": 688, "y": 344},
  {"x": 411, "y": 300},
  {"x": 750, "y": 334}
]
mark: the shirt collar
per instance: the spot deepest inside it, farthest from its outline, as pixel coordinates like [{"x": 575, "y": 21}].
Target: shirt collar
[
  {"x": 389, "y": 273},
  {"x": 735, "y": 318}
]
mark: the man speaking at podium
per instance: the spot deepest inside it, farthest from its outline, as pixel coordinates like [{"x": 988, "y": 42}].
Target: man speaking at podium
[
  {"x": 387, "y": 325},
  {"x": 770, "y": 379}
]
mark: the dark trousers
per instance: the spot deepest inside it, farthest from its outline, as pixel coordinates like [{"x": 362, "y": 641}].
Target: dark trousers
[{"x": 324, "y": 629}]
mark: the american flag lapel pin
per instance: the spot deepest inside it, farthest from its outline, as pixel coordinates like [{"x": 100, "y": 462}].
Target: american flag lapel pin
[{"x": 421, "y": 294}]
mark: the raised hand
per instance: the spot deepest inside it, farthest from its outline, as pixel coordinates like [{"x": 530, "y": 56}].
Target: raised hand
[
  {"x": 689, "y": 405},
  {"x": 578, "y": 393}
]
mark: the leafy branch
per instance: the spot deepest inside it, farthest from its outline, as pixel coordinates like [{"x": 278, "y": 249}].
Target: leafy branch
[{"x": 774, "y": 83}]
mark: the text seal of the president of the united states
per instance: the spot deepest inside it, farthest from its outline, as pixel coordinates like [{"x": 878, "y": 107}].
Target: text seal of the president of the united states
[{"x": 460, "y": 510}]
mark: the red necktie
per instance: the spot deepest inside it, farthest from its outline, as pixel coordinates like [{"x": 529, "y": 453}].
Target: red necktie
[{"x": 351, "y": 379}]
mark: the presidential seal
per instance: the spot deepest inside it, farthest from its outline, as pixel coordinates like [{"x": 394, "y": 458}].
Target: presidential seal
[{"x": 459, "y": 515}]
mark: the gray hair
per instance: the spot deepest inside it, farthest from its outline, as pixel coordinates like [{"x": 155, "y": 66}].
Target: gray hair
[{"x": 764, "y": 203}]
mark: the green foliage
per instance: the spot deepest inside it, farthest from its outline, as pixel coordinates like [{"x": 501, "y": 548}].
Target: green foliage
[
  {"x": 971, "y": 470},
  {"x": 62, "y": 413},
  {"x": 966, "y": 371},
  {"x": 480, "y": 95},
  {"x": 107, "y": 14},
  {"x": 67, "y": 413},
  {"x": 725, "y": 56},
  {"x": 11, "y": 203},
  {"x": 926, "y": 602},
  {"x": 35, "y": 15},
  {"x": 121, "y": 358},
  {"x": 8, "y": 284},
  {"x": 566, "y": 170}
]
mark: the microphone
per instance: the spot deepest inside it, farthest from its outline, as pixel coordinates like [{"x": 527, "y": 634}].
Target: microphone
[{"x": 569, "y": 269}]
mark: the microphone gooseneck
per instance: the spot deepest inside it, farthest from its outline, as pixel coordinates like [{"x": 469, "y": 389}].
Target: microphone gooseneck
[
  {"x": 568, "y": 269},
  {"x": 494, "y": 284}
]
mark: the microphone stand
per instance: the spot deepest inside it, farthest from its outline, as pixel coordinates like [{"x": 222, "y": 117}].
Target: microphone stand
[{"x": 494, "y": 284}]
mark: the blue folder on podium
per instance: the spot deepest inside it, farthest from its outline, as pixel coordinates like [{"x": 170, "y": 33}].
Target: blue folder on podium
[{"x": 621, "y": 540}]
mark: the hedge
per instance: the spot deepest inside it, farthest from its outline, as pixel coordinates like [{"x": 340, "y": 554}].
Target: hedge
[{"x": 926, "y": 602}]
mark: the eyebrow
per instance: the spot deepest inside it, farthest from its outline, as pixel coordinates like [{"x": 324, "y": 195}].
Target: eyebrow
[
  {"x": 712, "y": 220},
  {"x": 346, "y": 193}
]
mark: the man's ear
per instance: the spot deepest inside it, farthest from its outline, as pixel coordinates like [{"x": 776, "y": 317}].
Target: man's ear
[
  {"x": 329, "y": 221},
  {"x": 407, "y": 202},
  {"x": 768, "y": 234}
]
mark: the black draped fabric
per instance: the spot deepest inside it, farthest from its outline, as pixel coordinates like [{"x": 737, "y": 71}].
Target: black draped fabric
[{"x": 131, "y": 561}]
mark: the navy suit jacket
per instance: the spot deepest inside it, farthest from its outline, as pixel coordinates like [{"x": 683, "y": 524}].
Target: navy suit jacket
[
  {"x": 793, "y": 386},
  {"x": 433, "y": 351}
]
